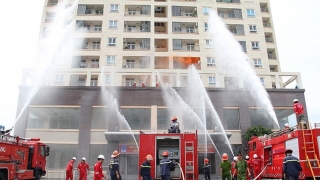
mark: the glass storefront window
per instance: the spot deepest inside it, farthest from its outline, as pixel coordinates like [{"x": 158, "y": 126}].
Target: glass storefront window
[
  {"x": 60, "y": 155},
  {"x": 99, "y": 118},
  {"x": 137, "y": 118},
  {"x": 95, "y": 150},
  {"x": 231, "y": 119},
  {"x": 53, "y": 118},
  {"x": 163, "y": 119}
]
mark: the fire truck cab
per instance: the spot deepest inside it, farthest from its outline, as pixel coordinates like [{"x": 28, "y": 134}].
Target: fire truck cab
[{"x": 270, "y": 149}]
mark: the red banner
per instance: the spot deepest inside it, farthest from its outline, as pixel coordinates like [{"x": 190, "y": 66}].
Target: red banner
[
  {"x": 210, "y": 148},
  {"x": 128, "y": 149}
]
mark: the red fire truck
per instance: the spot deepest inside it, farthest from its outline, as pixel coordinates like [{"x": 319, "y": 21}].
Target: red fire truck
[
  {"x": 22, "y": 158},
  {"x": 182, "y": 148},
  {"x": 304, "y": 143}
]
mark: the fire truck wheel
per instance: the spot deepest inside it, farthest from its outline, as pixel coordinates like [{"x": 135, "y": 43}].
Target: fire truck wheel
[
  {"x": 2, "y": 176},
  {"x": 37, "y": 175}
]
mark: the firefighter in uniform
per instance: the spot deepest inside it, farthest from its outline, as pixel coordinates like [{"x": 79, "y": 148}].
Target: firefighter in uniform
[
  {"x": 165, "y": 166},
  {"x": 83, "y": 169},
  {"x": 145, "y": 169},
  {"x": 206, "y": 169},
  {"x": 291, "y": 166},
  {"x": 249, "y": 166},
  {"x": 256, "y": 163},
  {"x": 114, "y": 166},
  {"x": 174, "y": 126},
  {"x": 225, "y": 167},
  {"x": 241, "y": 168},
  {"x": 97, "y": 170},
  {"x": 69, "y": 169},
  {"x": 233, "y": 167},
  {"x": 299, "y": 110}
]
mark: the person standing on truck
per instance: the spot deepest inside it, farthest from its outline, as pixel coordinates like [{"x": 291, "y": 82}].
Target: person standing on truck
[
  {"x": 291, "y": 166},
  {"x": 233, "y": 167},
  {"x": 97, "y": 170},
  {"x": 83, "y": 169},
  {"x": 114, "y": 166},
  {"x": 225, "y": 167},
  {"x": 174, "y": 126},
  {"x": 256, "y": 163},
  {"x": 145, "y": 169},
  {"x": 165, "y": 166},
  {"x": 206, "y": 169},
  {"x": 69, "y": 169},
  {"x": 299, "y": 110},
  {"x": 241, "y": 168}
]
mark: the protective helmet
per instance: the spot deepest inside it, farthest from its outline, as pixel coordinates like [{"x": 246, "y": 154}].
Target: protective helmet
[
  {"x": 206, "y": 160},
  {"x": 174, "y": 118},
  {"x": 101, "y": 157},
  {"x": 115, "y": 153},
  {"x": 224, "y": 156},
  {"x": 84, "y": 158},
  {"x": 74, "y": 158},
  {"x": 288, "y": 151},
  {"x": 235, "y": 158},
  {"x": 255, "y": 156},
  {"x": 165, "y": 153},
  {"x": 149, "y": 157},
  {"x": 247, "y": 157},
  {"x": 286, "y": 125},
  {"x": 295, "y": 100}
]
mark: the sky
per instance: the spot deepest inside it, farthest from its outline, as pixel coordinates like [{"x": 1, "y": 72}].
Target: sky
[{"x": 297, "y": 31}]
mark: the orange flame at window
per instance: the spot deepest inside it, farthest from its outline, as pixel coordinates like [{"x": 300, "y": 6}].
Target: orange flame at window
[{"x": 188, "y": 60}]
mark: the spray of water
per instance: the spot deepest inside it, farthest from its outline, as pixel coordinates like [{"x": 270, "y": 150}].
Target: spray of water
[
  {"x": 229, "y": 52},
  {"x": 53, "y": 49}
]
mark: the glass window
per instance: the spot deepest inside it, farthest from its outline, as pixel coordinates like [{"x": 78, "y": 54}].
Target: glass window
[
  {"x": 163, "y": 119},
  {"x": 258, "y": 118},
  {"x": 257, "y": 63},
  {"x": 250, "y": 12},
  {"x": 112, "y": 41},
  {"x": 113, "y": 24},
  {"x": 206, "y": 10},
  {"x": 212, "y": 80},
  {"x": 253, "y": 28},
  {"x": 209, "y": 44},
  {"x": 206, "y": 26},
  {"x": 100, "y": 117},
  {"x": 111, "y": 60},
  {"x": 255, "y": 45},
  {"x": 286, "y": 116},
  {"x": 138, "y": 118},
  {"x": 211, "y": 61},
  {"x": 114, "y": 8},
  {"x": 209, "y": 120},
  {"x": 231, "y": 119},
  {"x": 236, "y": 148},
  {"x": 53, "y": 118},
  {"x": 59, "y": 79},
  {"x": 60, "y": 155}
]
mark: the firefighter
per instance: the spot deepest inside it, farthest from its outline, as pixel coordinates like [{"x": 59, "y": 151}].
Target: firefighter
[
  {"x": 249, "y": 166},
  {"x": 98, "y": 175},
  {"x": 114, "y": 166},
  {"x": 83, "y": 169},
  {"x": 225, "y": 167},
  {"x": 287, "y": 128},
  {"x": 241, "y": 168},
  {"x": 145, "y": 169},
  {"x": 165, "y": 166},
  {"x": 206, "y": 169},
  {"x": 69, "y": 169},
  {"x": 3, "y": 131},
  {"x": 174, "y": 126},
  {"x": 233, "y": 167},
  {"x": 291, "y": 166},
  {"x": 299, "y": 110},
  {"x": 256, "y": 163}
]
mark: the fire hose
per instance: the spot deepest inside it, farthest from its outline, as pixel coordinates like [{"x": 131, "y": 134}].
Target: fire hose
[
  {"x": 261, "y": 171},
  {"x": 181, "y": 170}
]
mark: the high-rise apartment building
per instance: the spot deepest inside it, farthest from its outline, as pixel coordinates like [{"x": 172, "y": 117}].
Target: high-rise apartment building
[{"x": 118, "y": 43}]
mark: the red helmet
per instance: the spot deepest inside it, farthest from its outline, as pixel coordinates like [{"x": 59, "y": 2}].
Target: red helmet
[
  {"x": 206, "y": 160},
  {"x": 165, "y": 153},
  {"x": 225, "y": 156},
  {"x": 288, "y": 151},
  {"x": 174, "y": 118}
]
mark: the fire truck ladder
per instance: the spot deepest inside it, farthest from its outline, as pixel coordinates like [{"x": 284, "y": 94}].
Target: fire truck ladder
[{"x": 308, "y": 142}]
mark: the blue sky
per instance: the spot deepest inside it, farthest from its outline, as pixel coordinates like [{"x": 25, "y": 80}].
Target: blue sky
[{"x": 297, "y": 31}]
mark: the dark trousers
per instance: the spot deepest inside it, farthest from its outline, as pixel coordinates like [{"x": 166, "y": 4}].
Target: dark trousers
[
  {"x": 292, "y": 177},
  {"x": 207, "y": 176},
  {"x": 115, "y": 178},
  {"x": 146, "y": 177},
  {"x": 165, "y": 177}
]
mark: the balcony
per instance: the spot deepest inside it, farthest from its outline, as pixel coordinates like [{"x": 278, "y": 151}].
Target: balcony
[
  {"x": 85, "y": 62},
  {"x": 271, "y": 53},
  {"x": 137, "y": 10},
  {"x": 161, "y": 27},
  {"x": 266, "y": 24},
  {"x": 264, "y": 7},
  {"x": 184, "y": 62},
  {"x": 137, "y": 26},
  {"x": 89, "y": 26},
  {"x": 185, "y": 45},
  {"x": 243, "y": 45},
  {"x": 90, "y": 10},
  {"x": 94, "y": 80},
  {"x": 50, "y": 16},
  {"x": 136, "y": 44},
  {"x": 136, "y": 62},
  {"x": 228, "y": 1},
  {"x": 273, "y": 68},
  {"x": 77, "y": 80},
  {"x": 184, "y": 11},
  {"x": 269, "y": 39},
  {"x": 161, "y": 45},
  {"x": 136, "y": 80},
  {"x": 185, "y": 27},
  {"x": 52, "y": 3},
  {"x": 161, "y": 62},
  {"x": 87, "y": 44},
  {"x": 160, "y": 11},
  {"x": 236, "y": 29},
  {"x": 227, "y": 13}
]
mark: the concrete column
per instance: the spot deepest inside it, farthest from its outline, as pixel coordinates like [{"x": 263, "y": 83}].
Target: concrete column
[
  {"x": 84, "y": 130},
  {"x": 154, "y": 114},
  {"x": 218, "y": 81},
  {"x": 299, "y": 81},
  {"x": 277, "y": 82},
  {"x": 245, "y": 122},
  {"x": 178, "y": 81},
  {"x": 88, "y": 78}
]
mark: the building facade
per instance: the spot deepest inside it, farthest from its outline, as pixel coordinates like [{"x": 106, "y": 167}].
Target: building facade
[{"x": 123, "y": 45}]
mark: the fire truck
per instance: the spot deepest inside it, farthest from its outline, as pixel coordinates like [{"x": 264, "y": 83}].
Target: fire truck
[
  {"x": 271, "y": 150},
  {"x": 182, "y": 148},
  {"x": 22, "y": 158}
]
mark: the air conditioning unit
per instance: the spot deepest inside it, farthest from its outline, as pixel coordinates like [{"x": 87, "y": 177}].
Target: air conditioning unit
[{"x": 125, "y": 66}]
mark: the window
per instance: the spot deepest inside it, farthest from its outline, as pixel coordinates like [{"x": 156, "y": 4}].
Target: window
[
  {"x": 262, "y": 81},
  {"x": 112, "y": 41},
  {"x": 231, "y": 119},
  {"x": 206, "y": 26},
  {"x": 95, "y": 45},
  {"x": 108, "y": 79},
  {"x": 129, "y": 82},
  {"x": 132, "y": 12},
  {"x": 114, "y": 8},
  {"x": 211, "y": 61},
  {"x": 59, "y": 79},
  {"x": 190, "y": 46},
  {"x": 209, "y": 44},
  {"x": 113, "y": 24},
  {"x": 159, "y": 24},
  {"x": 255, "y": 45},
  {"x": 97, "y": 28},
  {"x": 190, "y": 29},
  {"x": 212, "y": 80},
  {"x": 59, "y": 151},
  {"x": 95, "y": 62},
  {"x": 206, "y": 10},
  {"x": 111, "y": 60},
  {"x": 253, "y": 28},
  {"x": 130, "y": 45},
  {"x": 130, "y": 63},
  {"x": 138, "y": 118},
  {"x": 257, "y": 63},
  {"x": 250, "y": 12}
]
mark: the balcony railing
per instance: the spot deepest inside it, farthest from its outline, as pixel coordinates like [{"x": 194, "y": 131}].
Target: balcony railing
[
  {"x": 229, "y": 1},
  {"x": 87, "y": 65},
  {"x": 272, "y": 56},
  {"x": 186, "y": 48},
  {"x": 135, "y": 48},
  {"x": 266, "y": 24},
  {"x": 227, "y": 15},
  {"x": 134, "y": 30},
  {"x": 137, "y": 13},
  {"x": 186, "y": 31},
  {"x": 264, "y": 10},
  {"x": 270, "y": 40}
]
